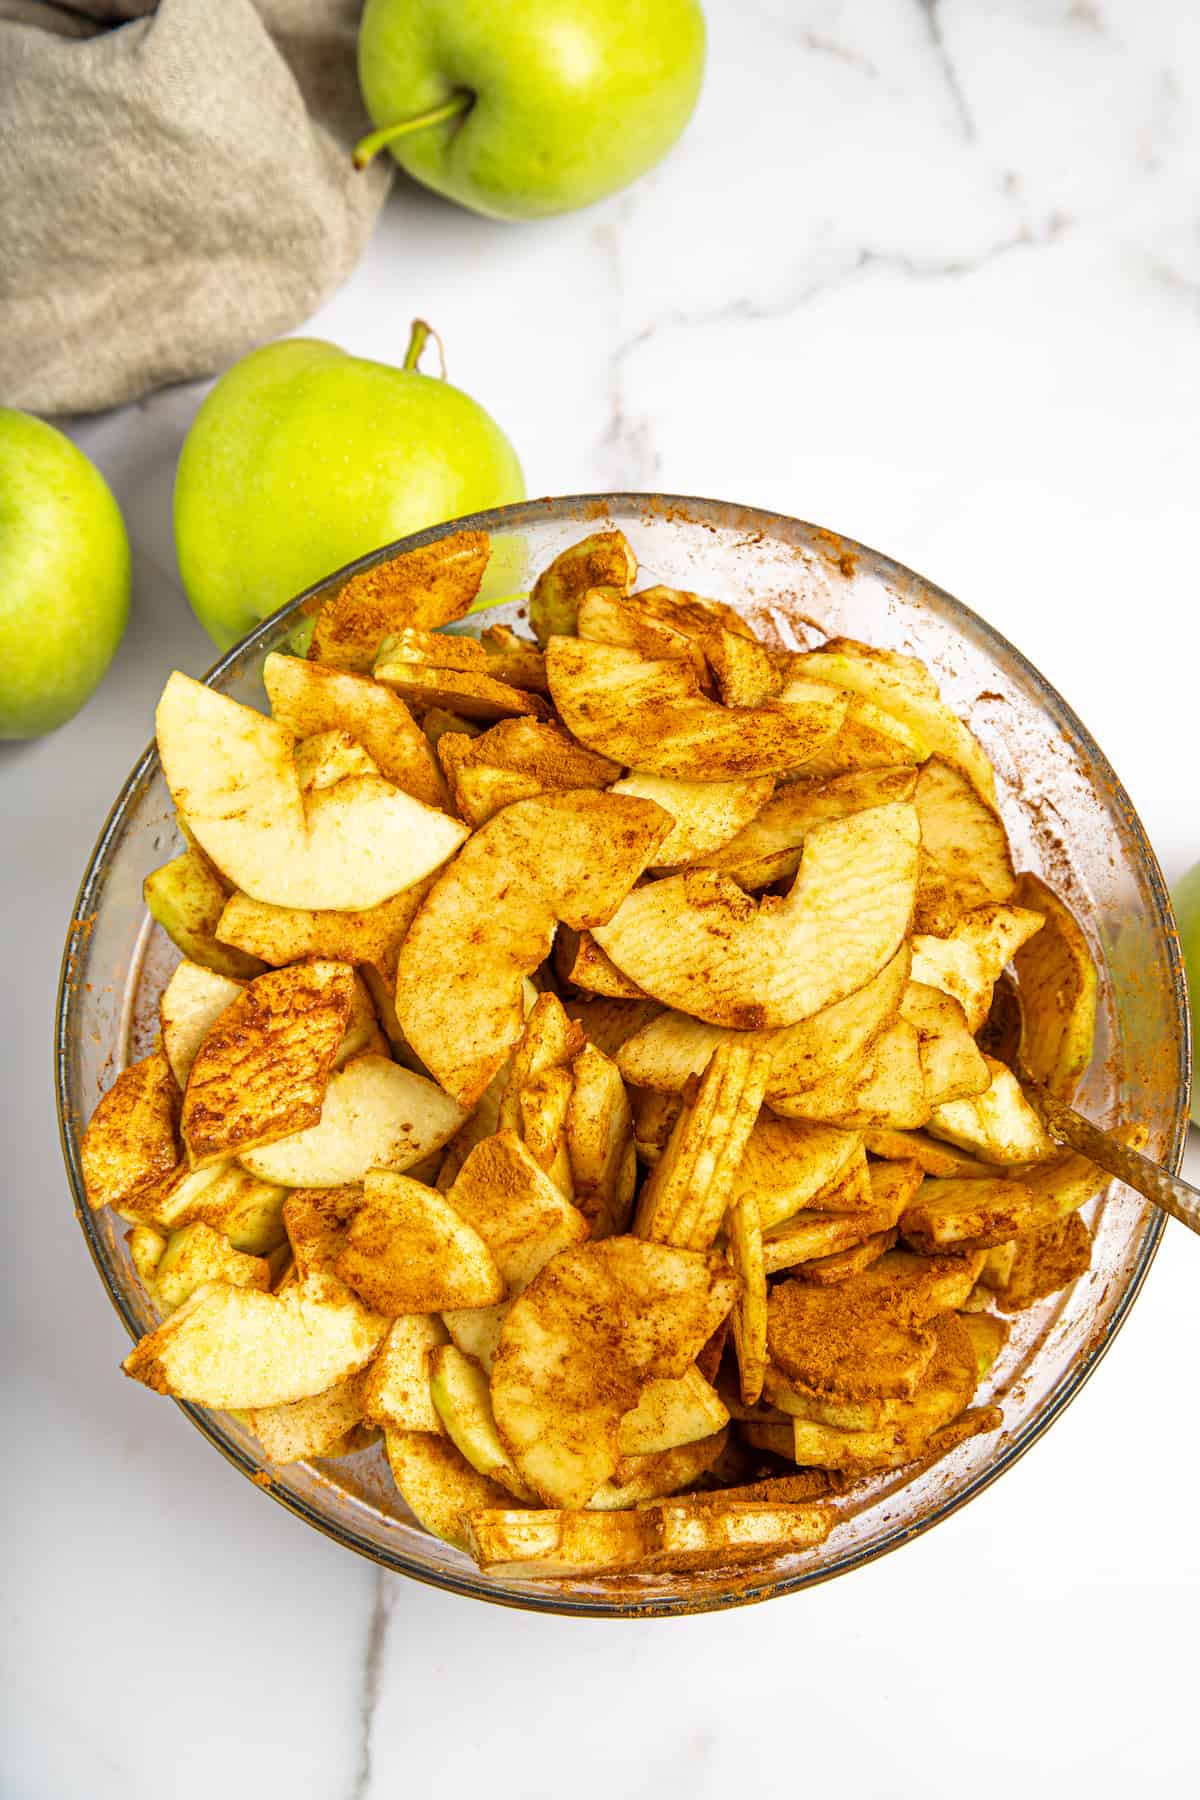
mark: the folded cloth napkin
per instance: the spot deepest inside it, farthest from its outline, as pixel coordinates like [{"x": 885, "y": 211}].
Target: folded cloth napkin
[{"x": 175, "y": 187}]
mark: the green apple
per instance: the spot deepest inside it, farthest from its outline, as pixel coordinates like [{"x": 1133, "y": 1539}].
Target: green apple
[
  {"x": 303, "y": 458},
  {"x": 520, "y": 108},
  {"x": 64, "y": 576},
  {"x": 1186, "y": 898}
]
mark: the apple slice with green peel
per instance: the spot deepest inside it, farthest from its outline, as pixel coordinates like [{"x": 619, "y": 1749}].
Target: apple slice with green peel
[
  {"x": 376, "y": 1115},
  {"x": 567, "y": 856},
  {"x": 395, "y": 1390},
  {"x": 671, "y": 1413},
  {"x": 476, "y": 1331},
  {"x": 197, "y": 1254},
  {"x": 904, "y": 687},
  {"x": 427, "y": 587},
  {"x": 307, "y": 698},
  {"x": 459, "y": 1389},
  {"x": 186, "y": 897},
  {"x": 236, "y": 1347},
  {"x": 278, "y": 935},
  {"x": 232, "y": 773},
  {"x": 603, "y": 560},
  {"x": 131, "y": 1144},
  {"x": 706, "y": 813},
  {"x": 699, "y": 944},
  {"x": 769, "y": 847},
  {"x": 438, "y": 1484},
  {"x": 261, "y": 1070},
  {"x": 578, "y": 1346},
  {"x": 406, "y": 1250},
  {"x": 654, "y": 717},
  {"x": 192, "y": 1002}
]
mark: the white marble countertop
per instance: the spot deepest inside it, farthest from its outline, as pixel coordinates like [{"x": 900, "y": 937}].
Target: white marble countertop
[{"x": 929, "y": 274}]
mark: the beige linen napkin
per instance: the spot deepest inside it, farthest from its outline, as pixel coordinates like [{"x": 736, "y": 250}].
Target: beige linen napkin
[{"x": 175, "y": 187}]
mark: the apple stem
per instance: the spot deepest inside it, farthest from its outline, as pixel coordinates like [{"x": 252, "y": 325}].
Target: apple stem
[
  {"x": 421, "y": 334},
  {"x": 368, "y": 147}
]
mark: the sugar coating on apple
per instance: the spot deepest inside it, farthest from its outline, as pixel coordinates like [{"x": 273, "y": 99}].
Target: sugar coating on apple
[
  {"x": 64, "y": 576},
  {"x": 521, "y": 111},
  {"x": 303, "y": 458}
]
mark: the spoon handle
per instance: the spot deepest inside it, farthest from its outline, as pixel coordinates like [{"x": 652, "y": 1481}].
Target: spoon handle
[{"x": 1170, "y": 1192}]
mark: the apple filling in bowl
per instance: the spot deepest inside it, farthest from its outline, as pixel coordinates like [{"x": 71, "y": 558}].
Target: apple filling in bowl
[{"x": 592, "y": 1068}]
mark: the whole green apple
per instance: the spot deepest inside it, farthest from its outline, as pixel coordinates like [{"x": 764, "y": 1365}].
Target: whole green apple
[
  {"x": 520, "y": 108},
  {"x": 1186, "y": 898},
  {"x": 303, "y": 458},
  {"x": 64, "y": 576}
]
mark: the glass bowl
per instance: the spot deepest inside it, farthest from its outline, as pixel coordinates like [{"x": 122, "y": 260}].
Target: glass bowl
[{"x": 1069, "y": 819}]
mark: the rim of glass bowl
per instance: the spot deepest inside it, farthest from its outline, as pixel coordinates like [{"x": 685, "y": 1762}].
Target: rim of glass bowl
[{"x": 624, "y": 1604}]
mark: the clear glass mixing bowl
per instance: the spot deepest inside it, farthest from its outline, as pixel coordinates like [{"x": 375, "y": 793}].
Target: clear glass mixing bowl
[{"x": 1068, "y": 818}]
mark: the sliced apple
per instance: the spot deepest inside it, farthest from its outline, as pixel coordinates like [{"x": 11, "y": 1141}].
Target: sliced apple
[
  {"x": 513, "y": 659},
  {"x": 561, "y": 1543},
  {"x": 517, "y": 1210},
  {"x": 653, "y": 716},
  {"x": 187, "y": 898},
  {"x": 233, "y": 774},
  {"x": 916, "y": 1146},
  {"x": 132, "y": 1144},
  {"x": 743, "y": 1230},
  {"x": 581, "y": 1342},
  {"x": 307, "y": 698},
  {"x": 603, "y": 560},
  {"x": 489, "y": 922},
  {"x": 671, "y": 1413},
  {"x": 261, "y": 1070},
  {"x": 639, "y": 1479},
  {"x": 886, "y": 1088},
  {"x": 192, "y": 1001},
  {"x": 810, "y": 1235},
  {"x": 769, "y": 847},
  {"x": 951, "y": 1062},
  {"x": 609, "y": 1023},
  {"x": 197, "y": 1254},
  {"x": 699, "y": 944},
  {"x": 789, "y": 1164},
  {"x": 236, "y": 1347},
  {"x": 376, "y": 1115},
  {"x": 965, "y": 861},
  {"x": 461, "y": 1395},
  {"x": 279, "y": 935},
  {"x": 947, "y": 1213},
  {"x": 599, "y": 1136},
  {"x": 903, "y": 687},
  {"x": 395, "y": 1389},
  {"x": 686, "y": 1195},
  {"x": 580, "y": 962},
  {"x": 438, "y": 1484},
  {"x": 328, "y": 1424},
  {"x": 839, "y": 1265},
  {"x": 1045, "y": 1261},
  {"x": 966, "y": 964},
  {"x": 427, "y": 587},
  {"x": 316, "y": 1220},
  {"x": 1059, "y": 988},
  {"x": 706, "y": 813},
  {"x": 406, "y": 1250},
  {"x": 698, "y": 1535},
  {"x": 997, "y": 1126},
  {"x": 869, "y": 739},
  {"x": 671, "y": 1048},
  {"x": 549, "y": 1041}
]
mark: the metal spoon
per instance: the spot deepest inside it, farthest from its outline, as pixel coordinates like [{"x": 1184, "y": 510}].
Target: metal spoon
[{"x": 1066, "y": 1126}]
